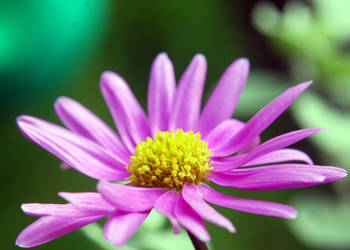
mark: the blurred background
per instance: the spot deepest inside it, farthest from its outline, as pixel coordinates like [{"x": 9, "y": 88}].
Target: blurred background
[{"x": 61, "y": 47}]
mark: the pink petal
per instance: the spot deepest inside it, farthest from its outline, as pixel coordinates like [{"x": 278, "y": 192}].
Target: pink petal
[
  {"x": 245, "y": 205},
  {"x": 187, "y": 100},
  {"x": 251, "y": 146},
  {"x": 165, "y": 205},
  {"x": 262, "y": 120},
  {"x": 128, "y": 198},
  {"x": 120, "y": 226},
  {"x": 222, "y": 133},
  {"x": 276, "y": 143},
  {"x": 127, "y": 113},
  {"x": 83, "y": 122},
  {"x": 225, "y": 96},
  {"x": 160, "y": 93},
  {"x": 268, "y": 180},
  {"x": 77, "y": 151},
  {"x": 48, "y": 228},
  {"x": 190, "y": 220},
  {"x": 191, "y": 196},
  {"x": 278, "y": 176},
  {"x": 281, "y": 155},
  {"x": 88, "y": 202},
  {"x": 59, "y": 210}
]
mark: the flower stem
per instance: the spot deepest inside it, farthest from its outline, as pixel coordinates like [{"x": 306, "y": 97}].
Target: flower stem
[{"x": 197, "y": 244}]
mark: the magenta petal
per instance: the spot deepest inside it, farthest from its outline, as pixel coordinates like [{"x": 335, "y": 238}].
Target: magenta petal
[
  {"x": 77, "y": 151},
  {"x": 166, "y": 205},
  {"x": 278, "y": 176},
  {"x": 281, "y": 155},
  {"x": 251, "y": 146},
  {"x": 128, "y": 198},
  {"x": 88, "y": 202},
  {"x": 276, "y": 143},
  {"x": 190, "y": 220},
  {"x": 268, "y": 180},
  {"x": 120, "y": 226},
  {"x": 59, "y": 210},
  {"x": 222, "y": 132},
  {"x": 188, "y": 95},
  {"x": 127, "y": 113},
  {"x": 191, "y": 196},
  {"x": 225, "y": 96},
  {"x": 83, "y": 122},
  {"x": 160, "y": 93},
  {"x": 245, "y": 205},
  {"x": 262, "y": 120},
  {"x": 48, "y": 228}
]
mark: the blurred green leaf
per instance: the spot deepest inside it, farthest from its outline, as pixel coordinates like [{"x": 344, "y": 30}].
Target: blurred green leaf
[
  {"x": 266, "y": 17},
  {"x": 334, "y": 16},
  {"x": 312, "y": 39},
  {"x": 94, "y": 233},
  {"x": 322, "y": 222},
  {"x": 311, "y": 111},
  {"x": 154, "y": 235},
  {"x": 165, "y": 239}
]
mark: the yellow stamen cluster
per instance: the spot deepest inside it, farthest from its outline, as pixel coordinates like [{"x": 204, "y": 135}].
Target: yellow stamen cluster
[{"x": 170, "y": 160}]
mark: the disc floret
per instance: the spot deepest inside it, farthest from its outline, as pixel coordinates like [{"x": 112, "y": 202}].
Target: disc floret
[{"x": 170, "y": 160}]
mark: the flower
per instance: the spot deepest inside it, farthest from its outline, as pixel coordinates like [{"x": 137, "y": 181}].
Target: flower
[{"x": 169, "y": 156}]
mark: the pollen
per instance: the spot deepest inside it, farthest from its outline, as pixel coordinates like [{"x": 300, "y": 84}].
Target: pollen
[{"x": 170, "y": 160}]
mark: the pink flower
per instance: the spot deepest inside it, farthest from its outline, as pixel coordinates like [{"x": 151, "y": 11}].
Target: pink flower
[{"x": 169, "y": 156}]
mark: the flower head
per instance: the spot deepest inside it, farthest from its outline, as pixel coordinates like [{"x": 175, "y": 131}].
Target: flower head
[{"x": 169, "y": 156}]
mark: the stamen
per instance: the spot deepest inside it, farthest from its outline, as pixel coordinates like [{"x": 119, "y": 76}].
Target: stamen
[{"x": 170, "y": 160}]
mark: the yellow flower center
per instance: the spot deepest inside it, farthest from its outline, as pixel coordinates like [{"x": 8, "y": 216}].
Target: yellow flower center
[{"x": 170, "y": 160}]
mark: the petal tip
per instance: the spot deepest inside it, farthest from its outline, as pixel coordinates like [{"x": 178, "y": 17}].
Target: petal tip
[
  {"x": 162, "y": 55},
  {"x": 62, "y": 101},
  {"x": 19, "y": 244},
  {"x": 109, "y": 79},
  {"x": 63, "y": 195},
  {"x": 305, "y": 85},
  {"x": 293, "y": 215},
  {"x": 22, "y": 243},
  {"x": 108, "y": 73},
  {"x": 200, "y": 58},
  {"x": 108, "y": 76},
  {"x": 161, "y": 60},
  {"x": 299, "y": 88},
  {"x": 315, "y": 130},
  {"x": 229, "y": 226},
  {"x": 231, "y": 229},
  {"x": 243, "y": 62},
  {"x": 23, "y": 207},
  {"x": 205, "y": 238},
  {"x": 343, "y": 173},
  {"x": 21, "y": 119}
]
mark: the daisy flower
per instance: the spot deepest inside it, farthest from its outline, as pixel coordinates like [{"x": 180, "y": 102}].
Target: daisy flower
[{"x": 169, "y": 156}]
